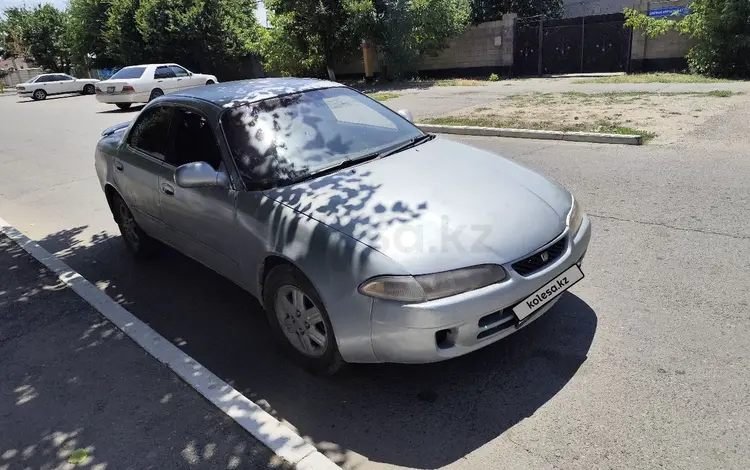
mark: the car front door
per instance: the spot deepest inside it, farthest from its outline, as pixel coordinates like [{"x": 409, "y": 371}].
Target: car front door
[
  {"x": 203, "y": 220},
  {"x": 66, "y": 84},
  {"x": 165, "y": 79},
  {"x": 139, "y": 165},
  {"x": 184, "y": 78}
]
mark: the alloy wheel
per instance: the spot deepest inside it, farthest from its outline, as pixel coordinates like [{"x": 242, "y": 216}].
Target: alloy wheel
[{"x": 301, "y": 321}]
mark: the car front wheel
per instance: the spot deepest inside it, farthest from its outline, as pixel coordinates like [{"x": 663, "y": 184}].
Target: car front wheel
[
  {"x": 39, "y": 95},
  {"x": 300, "y": 322},
  {"x": 89, "y": 90},
  {"x": 123, "y": 105}
]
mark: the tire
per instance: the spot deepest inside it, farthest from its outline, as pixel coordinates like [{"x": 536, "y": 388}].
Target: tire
[
  {"x": 123, "y": 105},
  {"x": 89, "y": 89},
  {"x": 39, "y": 95},
  {"x": 138, "y": 243},
  {"x": 292, "y": 330},
  {"x": 155, "y": 93},
  {"x": 210, "y": 82}
]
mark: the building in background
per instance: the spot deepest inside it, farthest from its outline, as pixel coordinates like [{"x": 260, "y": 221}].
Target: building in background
[{"x": 576, "y": 8}]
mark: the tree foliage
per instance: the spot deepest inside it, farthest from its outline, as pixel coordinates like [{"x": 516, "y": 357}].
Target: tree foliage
[
  {"x": 87, "y": 24},
  {"x": 307, "y": 35},
  {"x": 405, "y": 30},
  {"x": 312, "y": 35},
  {"x": 492, "y": 10},
  {"x": 39, "y": 33},
  {"x": 202, "y": 34},
  {"x": 722, "y": 30}
]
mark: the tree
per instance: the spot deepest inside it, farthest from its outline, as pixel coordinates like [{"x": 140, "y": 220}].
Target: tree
[
  {"x": 12, "y": 32},
  {"x": 40, "y": 34},
  {"x": 87, "y": 25},
  {"x": 324, "y": 31},
  {"x": 492, "y": 10},
  {"x": 198, "y": 33},
  {"x": 123, "y": 42},
  {"x": 409, "y": 29},
  {"x": 722, "y": 28}
]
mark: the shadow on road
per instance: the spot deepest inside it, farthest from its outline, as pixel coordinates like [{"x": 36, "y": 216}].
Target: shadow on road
[
  {"x": 115, "y": 110},
  {"x": 422, "y": 416},
  {"x": 72, "y": 381}
]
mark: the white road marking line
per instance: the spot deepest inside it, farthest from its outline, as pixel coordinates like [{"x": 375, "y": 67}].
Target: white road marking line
[{"x": 280, "y": 439}]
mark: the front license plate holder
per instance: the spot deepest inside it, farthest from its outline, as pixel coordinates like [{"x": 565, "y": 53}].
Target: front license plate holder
[{"x": 547, "y": 293}]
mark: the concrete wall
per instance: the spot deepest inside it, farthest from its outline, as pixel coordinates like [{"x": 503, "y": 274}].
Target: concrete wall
[
  {"x": 576, "y": 8},
  {"x": 485, "y": 45},
  {"x": 20, "y": 76},
  {"x": 667, "y": 51},
  {"x": 481, "y": 49}
]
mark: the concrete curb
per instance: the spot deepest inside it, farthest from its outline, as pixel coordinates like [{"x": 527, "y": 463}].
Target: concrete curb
[
  {"x": 533, "y": 134},
  {"x": 282, "y": 440}
]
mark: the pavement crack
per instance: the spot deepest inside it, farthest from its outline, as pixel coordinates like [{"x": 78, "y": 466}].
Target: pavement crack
[{"x": 673, "y": 227}]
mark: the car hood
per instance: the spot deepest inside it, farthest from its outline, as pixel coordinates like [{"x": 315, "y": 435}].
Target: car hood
[{"x": 438, "y": 206}]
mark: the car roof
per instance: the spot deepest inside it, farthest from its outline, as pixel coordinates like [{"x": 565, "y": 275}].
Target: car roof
[{"x": 231, "y": 94}]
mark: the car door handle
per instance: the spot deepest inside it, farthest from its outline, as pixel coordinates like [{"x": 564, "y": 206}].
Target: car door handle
[
  {"x": 179, "y": 79},
  {"x": 167, "y": 189},
  {"x": 118, "y": 166}
]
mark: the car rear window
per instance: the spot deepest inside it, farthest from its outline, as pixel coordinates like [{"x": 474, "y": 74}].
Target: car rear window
[{"x": 129, "y": 72}]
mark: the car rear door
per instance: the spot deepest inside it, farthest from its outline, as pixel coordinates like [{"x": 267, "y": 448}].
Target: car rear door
[
  {"x": 165, "y": 79},
  {"x": 140, "y": 164},
  {"x": 203, "y": 220}
]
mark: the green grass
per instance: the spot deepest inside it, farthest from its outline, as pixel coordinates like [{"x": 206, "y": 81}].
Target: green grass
[
  {"x": 384, "y": 95},
  {"x": 653, "y": 78},
  {"x": 721, "y": 93},
  {"x": 602, "y": 126}
]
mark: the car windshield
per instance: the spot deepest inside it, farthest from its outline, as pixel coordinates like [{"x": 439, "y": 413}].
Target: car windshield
[
  {"x": 128, "y": 72},
  {"x": 289, "y": 137}
]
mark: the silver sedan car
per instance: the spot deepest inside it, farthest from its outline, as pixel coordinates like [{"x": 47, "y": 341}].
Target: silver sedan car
[{"x": 365, "y": 239}]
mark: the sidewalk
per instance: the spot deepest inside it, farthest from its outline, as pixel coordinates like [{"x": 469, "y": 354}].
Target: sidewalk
[{"x": 70, "y": 380}]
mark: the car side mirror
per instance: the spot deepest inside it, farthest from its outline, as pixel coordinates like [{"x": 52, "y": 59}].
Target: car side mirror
[
  {"x": 200, "y": 175},
  {"x": 190, "y": 74},
  {"x": 406, "y": 114}
]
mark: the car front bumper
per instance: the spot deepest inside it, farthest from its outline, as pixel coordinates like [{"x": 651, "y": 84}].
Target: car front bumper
[
  {"x": 451, "y": 327},
  {"x": 115, "y": 98}
]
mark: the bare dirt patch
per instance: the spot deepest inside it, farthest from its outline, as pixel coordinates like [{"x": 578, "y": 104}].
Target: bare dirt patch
[{"x": 665, "y": 115}]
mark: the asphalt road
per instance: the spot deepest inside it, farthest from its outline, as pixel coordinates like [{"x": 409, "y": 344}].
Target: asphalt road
[{"x": 644, "y": 364}]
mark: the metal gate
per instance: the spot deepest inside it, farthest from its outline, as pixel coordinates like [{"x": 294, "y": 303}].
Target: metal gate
[{"x": 586, "y": 44}]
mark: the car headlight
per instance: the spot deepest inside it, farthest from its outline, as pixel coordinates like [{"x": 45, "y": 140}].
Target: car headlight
[
  {"x": 575, "y": 218},
  {"x": 432, "y": 286}
]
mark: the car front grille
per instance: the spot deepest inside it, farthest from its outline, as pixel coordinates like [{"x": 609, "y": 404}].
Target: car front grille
[
  {"x": 536, "y": 261},
  {"x": 496, "y": 322}
]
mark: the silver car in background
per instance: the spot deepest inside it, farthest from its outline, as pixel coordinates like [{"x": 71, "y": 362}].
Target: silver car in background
[{"x": 365, "y": 239}]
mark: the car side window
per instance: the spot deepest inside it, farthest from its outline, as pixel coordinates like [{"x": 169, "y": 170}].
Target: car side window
[
  {"x": 65, "y": 78},
  {"x": 43, "y": 79},
  {"x": 163, "y": 72},
  {"x": 151, "y": 130},
  {"x": 178, "y": 71},
  {"x": 193, "y": 140}
]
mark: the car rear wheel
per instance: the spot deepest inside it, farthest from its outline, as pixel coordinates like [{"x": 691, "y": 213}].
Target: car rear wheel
[
  {"x": 89, "y": 90},
  {"x": 123, "y": 105},
  {"x": 210, "y": 82},
  {"x": 155, "y": 93},
  {"x": 299, "y": 321},
  {"x": 136, "y": 240},
  {"x": 39, "y": 95}
]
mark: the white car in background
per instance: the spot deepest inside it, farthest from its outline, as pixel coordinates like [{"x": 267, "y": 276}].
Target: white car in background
[
  {"x": 47, "y": 84},
  {"x": 143, "y": 83}
]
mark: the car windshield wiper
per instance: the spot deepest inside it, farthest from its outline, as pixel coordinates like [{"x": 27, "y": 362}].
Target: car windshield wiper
[
  {"x": 346, "y": 163},
  {"x": 413, "y": 142}
]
